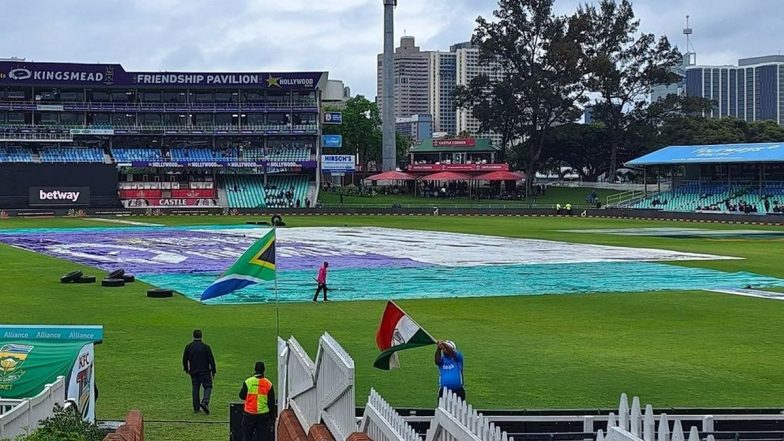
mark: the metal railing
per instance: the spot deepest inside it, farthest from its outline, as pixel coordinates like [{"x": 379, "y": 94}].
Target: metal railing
[
  {"x": 162, "y": 106},
  {"x": 627, "y": 198},
  {"x": 19, "y": 417}
]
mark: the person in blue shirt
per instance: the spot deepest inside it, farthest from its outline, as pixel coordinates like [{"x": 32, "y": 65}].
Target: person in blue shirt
[{"x": 450, "y": 369}]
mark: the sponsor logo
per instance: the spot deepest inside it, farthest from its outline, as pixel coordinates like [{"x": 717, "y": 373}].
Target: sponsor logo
[
  {"x": 272, "y": 81},
  {"x": 467, "y": 142},
  {"x": 20, "y": 74},
  {"x": 339, "y": 158},
  {"x": 58, "y": 195},
  {"x": 12, "y": 357},
  {"x": 173, "y": 202},
  {"x": 306, "y": 82}
]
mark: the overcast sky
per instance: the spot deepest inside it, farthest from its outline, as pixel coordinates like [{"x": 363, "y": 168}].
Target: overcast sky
[{"x": 339, "y": 36}]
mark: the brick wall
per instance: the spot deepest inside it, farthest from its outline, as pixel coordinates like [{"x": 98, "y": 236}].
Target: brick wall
[
  {"x": 319, "y": 432},
  {"x": 358, "y": 436},
  {"x": 132, "y": 430},
  {"x": 289, "y": 428}
]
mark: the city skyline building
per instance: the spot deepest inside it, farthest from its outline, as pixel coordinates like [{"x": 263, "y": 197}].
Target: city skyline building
[
  {"x": 425, "y": 82},
  {"x": 752, "y": 91},
  {"x": 410, "y": 79}
]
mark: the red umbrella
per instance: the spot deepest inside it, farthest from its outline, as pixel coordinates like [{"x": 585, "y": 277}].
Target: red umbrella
[
  {"x": 501, "y": 176},
  {"x": 446, "y": 176},
  {"x": 391, "y": 176}
]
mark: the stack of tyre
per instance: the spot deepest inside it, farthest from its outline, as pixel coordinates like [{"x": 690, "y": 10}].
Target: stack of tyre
[{"x": 114, "y": 279}]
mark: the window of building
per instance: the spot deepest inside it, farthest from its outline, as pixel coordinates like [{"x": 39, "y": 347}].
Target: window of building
[
  {"x": 223, "y": 119},
  {"x": 174, "y": 119},
  {"x": 72, "y": 96},
  {"x": 70, "y": 118},
  {"x": 174, "y": 97},
  {"x": 99, "y": 118},
  {"x": 127, "y": 119},
  {"x": 255, "y": 119},
  {"x": 150, "y": 97},
  {"x": 17, "y": 94},
  {"x": 204, "y": 97},
  {"x": 99, "y": 96},
  {"x": 202, "y": 119},
  {"x": 15, "y": 117},
  {"x": 151, "y": 118}
]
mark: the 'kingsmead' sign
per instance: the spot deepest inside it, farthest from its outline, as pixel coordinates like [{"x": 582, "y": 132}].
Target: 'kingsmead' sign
[{"x": 59, "y": 196}]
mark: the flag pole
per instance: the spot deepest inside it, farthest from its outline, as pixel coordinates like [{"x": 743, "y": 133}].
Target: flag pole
[{"x": 277, "y": 301}]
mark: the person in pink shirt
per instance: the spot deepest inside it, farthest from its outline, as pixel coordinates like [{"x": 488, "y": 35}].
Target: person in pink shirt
[{"x": 322, "y": 282}]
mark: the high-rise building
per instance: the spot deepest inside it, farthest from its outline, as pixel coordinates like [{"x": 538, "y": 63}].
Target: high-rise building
[
  {"x": 425, "y": 82},
  {"x": 416, "y": 127},
  {"x": 468, "y": 67},
  {"x": 752, "y": 91},
  {"x": 442, "y": 81},
  {"x": 411, "y": 79}
]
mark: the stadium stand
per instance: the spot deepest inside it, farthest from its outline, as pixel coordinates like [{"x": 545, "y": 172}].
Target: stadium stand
[
  {"x": 249, "y": 191},
  {"x": 16, "y": 154},
  {"x": 245, "y": 191},
  {"x": 286, "y": 191},
  {"x": 204, "y": 154},
  {"x": 711, "y": 196},
  {"x": 277, "y": 154},
  {"x": 71, "y": 154},
  {"x": 136, "y": 154}
]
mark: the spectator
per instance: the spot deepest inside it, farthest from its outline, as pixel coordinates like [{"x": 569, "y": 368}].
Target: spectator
[
  {"x": 450, "y": 369},
  {"x": 199, "y": 363}
]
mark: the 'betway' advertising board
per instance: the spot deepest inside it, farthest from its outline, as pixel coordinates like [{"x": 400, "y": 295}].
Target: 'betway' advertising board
[
  {"x": 59, "y": 196},
  {"x": 22, "y": 73}
]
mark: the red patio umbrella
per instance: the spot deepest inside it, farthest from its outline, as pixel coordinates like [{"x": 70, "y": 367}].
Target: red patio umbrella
[
  {"x": 391, "y": 176},
  {"x": 501, "y": 176},
  {"x": 446, "y": 176}
]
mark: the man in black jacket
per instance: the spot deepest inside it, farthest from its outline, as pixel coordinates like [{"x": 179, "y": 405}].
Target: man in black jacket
[{"x": 198, "y": 362}]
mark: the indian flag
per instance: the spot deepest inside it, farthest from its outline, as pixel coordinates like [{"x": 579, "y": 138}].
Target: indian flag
[
  {"x": 396, "y": 332},
  {"x": 254, "y": 266}
]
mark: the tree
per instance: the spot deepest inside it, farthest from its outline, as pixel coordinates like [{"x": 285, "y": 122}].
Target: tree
[
  {"x": 361, "y": 129},
  {"x": 542, "y": 61},
  {"x": 623, "y": 69},
  {"x": 582, "y": 147}
]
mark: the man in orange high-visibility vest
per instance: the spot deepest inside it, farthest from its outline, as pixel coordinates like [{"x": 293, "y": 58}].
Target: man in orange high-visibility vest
[{"x": 260, "y": 408}]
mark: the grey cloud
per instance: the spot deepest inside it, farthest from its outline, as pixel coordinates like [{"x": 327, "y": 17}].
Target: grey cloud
[{"x": 340, "y": 36}]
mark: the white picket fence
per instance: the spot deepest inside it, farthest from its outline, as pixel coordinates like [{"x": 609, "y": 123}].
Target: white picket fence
[
  {"x": 18, "y": 417},
  {"x": 381, "y": 422},
  {"x": 633, "y": 424},
  {"x": 456, "y": 420},
  {"x": 324, "y": 391},
  {"x": 320, "y": 391}
]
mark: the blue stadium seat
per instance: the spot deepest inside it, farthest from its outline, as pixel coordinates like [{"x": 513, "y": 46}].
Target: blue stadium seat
[
  {"x": 71, "y": 154},
  {"x": 16, "y": 154}
]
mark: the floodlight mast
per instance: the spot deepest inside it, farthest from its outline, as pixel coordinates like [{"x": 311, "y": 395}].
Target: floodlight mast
[{"x": 388, "y": 149}]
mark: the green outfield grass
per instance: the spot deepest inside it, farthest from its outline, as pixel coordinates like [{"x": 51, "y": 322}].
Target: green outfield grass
[
  {"x": 553, "y": 195},
  {"x": 575, "y": 351}
]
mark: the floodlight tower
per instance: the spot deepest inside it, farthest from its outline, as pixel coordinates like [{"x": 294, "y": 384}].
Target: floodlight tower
[
  {"x": 388, "y": 148},
  {"x": 690, "y": 55}
]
